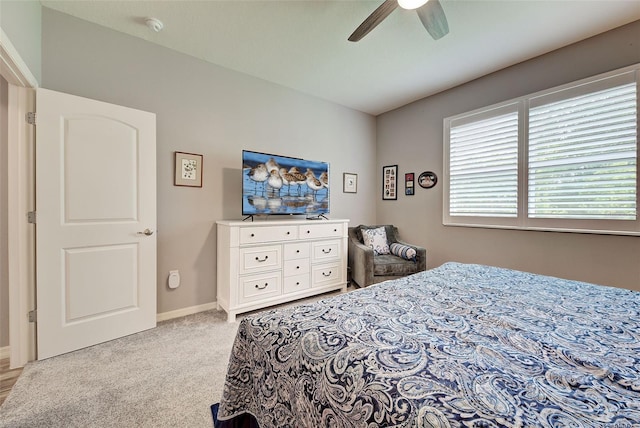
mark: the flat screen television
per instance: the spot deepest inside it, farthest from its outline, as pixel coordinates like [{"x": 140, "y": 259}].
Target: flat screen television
[{"x": 282, "y": 185}]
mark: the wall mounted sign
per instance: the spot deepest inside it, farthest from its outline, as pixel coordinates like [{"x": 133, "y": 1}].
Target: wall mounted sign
[{"x": 427, "y": 179}]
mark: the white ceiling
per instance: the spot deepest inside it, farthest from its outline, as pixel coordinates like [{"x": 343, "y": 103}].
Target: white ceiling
[{"x": 302, "y": 44}]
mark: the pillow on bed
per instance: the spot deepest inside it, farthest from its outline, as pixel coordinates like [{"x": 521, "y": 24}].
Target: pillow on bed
[
  {"x": 403, "y": 251},
  {"x": 376, "y": 239}
]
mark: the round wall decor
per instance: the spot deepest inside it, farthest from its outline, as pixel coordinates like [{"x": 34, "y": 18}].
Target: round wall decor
[{"x": 427, "y": 179}]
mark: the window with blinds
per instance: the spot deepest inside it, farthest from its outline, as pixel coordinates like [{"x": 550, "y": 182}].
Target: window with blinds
[
  {"x": 483, "y": 167},
  {"x": 562, "y": 159},
  {"x": 583, "y": 156}
]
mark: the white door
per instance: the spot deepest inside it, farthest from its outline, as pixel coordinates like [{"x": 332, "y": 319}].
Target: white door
[{"x": 96, "y": 222}]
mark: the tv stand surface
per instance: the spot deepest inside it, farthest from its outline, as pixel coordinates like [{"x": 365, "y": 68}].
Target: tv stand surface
[
  {"x": 252, "y": 217},
  {"x": 318, "y": 217},
  {"x": 266, "y": 263}
]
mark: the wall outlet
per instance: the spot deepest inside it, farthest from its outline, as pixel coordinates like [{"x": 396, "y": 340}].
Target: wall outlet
[{"x": 174, "y": 279}]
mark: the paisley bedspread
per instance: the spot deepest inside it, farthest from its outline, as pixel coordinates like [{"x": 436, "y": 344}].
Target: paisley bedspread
[{"x": 455, "y": 346}]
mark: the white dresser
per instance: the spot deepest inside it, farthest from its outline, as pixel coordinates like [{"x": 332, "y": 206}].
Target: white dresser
[{"x": 265, "y": 263}]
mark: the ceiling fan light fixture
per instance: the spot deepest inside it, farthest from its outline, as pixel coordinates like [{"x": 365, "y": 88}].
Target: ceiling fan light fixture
[{"x": 411, "y": 4}]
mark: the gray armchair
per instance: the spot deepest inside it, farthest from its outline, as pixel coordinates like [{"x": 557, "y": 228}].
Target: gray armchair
[{"x": 367, "y": 269}]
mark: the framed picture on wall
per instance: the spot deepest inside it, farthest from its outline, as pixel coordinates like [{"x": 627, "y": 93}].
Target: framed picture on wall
[
  {"x": 409, "y": 184},
  {"x": 390, "y": 182},
  {"x": 349, "y": 183},
  {"x": 188, "y": 169}
]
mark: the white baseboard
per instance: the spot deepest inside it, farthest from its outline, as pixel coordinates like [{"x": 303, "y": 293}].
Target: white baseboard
[
  {"x": 4, "y": 352},
  {"x": 185, "y": 311}
]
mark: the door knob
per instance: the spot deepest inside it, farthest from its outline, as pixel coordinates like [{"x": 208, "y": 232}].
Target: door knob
[{"x": 147, "y": 232}]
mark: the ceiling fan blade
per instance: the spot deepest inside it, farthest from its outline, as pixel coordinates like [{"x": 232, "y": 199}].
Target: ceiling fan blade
[
  {"x": 376, "y": 17},
  {"x": 433, "y": 19}
]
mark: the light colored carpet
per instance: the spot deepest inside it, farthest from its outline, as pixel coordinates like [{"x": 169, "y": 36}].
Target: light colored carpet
[{"x": 164, "y": 377}]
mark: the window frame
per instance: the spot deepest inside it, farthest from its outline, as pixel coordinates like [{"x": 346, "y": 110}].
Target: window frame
[{"x": 522, "y": 221}]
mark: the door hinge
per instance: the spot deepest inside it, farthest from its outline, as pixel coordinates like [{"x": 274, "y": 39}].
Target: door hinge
[
  {"x": 31, "y": 118},
  {"x": 31, "y": 217},
  {"x": 33, "y": 316}
]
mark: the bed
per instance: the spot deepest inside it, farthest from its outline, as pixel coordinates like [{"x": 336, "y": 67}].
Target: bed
[{"x": 456, "y": 346}]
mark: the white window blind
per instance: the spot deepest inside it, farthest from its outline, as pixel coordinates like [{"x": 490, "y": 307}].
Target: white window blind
[
  {"x": 483, "y": 167},
  {"x": 565, "y": 159},
  {"x": 582, "y": 156}
]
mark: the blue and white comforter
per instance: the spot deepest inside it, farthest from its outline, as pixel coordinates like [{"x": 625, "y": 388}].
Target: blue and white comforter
[{"x": 456, "y": 346}]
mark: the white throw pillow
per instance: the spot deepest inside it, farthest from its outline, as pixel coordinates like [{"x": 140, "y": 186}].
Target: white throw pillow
[{"x": 376, "y": 239}]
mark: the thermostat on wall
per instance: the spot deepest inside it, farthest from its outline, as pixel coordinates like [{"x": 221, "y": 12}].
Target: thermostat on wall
[{"x": 174, "y": 279}]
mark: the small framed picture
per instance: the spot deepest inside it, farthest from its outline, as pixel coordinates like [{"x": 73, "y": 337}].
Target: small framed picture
[
  {"x": 427, "y": 179},
  {"x": 389, "y": 182},
  {"x": 188, "y": 169},
  {"x": 349, "y": 183},
  {"x": 409, "y": 184}
]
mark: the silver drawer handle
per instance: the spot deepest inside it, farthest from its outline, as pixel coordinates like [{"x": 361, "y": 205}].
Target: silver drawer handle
[
  {"x": 266, "y": 284},
  {"x": 326, "y": 274},
  {"x": 326, "y": 251},
  {"x": 262, "y": 260}
]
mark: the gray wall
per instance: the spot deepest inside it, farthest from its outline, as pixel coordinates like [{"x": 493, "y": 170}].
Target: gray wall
[
  {"x": 203, "y": 108},
  {"x": 207, "y": 109},
  {"x": 412, "y": 137},
  {"x": 21, "y": 21},
  {"x": 4, "y": 275}
]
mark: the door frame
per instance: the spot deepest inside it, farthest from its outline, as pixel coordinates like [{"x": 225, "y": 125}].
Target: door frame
[{"x": 20, "y": 200}]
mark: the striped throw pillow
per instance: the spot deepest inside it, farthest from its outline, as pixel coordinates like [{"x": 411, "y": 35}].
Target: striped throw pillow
[{"x": 403, "y": 251}]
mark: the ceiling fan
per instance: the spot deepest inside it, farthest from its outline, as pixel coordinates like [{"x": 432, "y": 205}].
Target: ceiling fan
[{"x": 429, "y": 11}]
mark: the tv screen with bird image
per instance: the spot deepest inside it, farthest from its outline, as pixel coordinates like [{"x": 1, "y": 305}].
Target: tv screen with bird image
[{"x": 276, "y": 184}]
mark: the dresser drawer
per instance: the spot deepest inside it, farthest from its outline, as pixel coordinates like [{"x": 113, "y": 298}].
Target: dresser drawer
[
  {"x": 327, "y": 274},
  {"x": 296, "y": 267},
  {"x": 323, "y": 251},
  {"x": 296, "y": 283},
  {"x": 296, "y": 251},
  {"x": 312, "y": 231},
  {"x": 261, "y": 234},
  {"x": 260, "y": 259},
  {"x": 262, "y": 286}
]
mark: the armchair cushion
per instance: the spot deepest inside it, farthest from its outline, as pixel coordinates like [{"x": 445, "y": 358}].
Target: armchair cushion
[
  {"x": 376, "y": 239},
  {"x": 388, "y": 266},
  {"x": 404, "y": 251}
]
